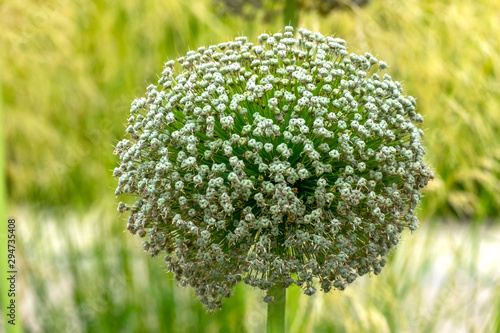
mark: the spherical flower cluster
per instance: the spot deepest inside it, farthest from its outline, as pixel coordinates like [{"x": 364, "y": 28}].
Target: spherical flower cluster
[{"x": 286, "y": 161}]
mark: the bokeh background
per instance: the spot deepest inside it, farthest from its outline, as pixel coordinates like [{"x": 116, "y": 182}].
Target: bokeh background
[{"x": 68, "y": 73}]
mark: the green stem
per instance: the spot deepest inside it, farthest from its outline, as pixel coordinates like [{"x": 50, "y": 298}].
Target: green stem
[
  {"x": 291, "y": 16},
  {"x": 276, "y": 309}
]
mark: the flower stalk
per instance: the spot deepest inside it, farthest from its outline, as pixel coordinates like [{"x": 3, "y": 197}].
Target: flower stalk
[
  {"x": 276, "y": 310},
  {"x": 291, "y": 13}
]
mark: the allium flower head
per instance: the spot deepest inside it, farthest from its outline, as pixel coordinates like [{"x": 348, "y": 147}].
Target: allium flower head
[{"x": 285, "y": 161}]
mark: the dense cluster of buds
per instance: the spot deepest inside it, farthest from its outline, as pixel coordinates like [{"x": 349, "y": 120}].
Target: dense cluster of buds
[{"x": 285, "y": 161}]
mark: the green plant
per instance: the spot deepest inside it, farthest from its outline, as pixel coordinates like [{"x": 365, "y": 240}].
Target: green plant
[{"x": 272, "y": 164}]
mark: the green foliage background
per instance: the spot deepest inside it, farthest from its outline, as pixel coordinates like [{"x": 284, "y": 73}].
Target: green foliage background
[{"x": 69, "y": 71}]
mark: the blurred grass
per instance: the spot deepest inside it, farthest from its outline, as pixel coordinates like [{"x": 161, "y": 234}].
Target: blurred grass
[
  {"x": 82, "y": 276},
  {"x": 71, "y": 69}
]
